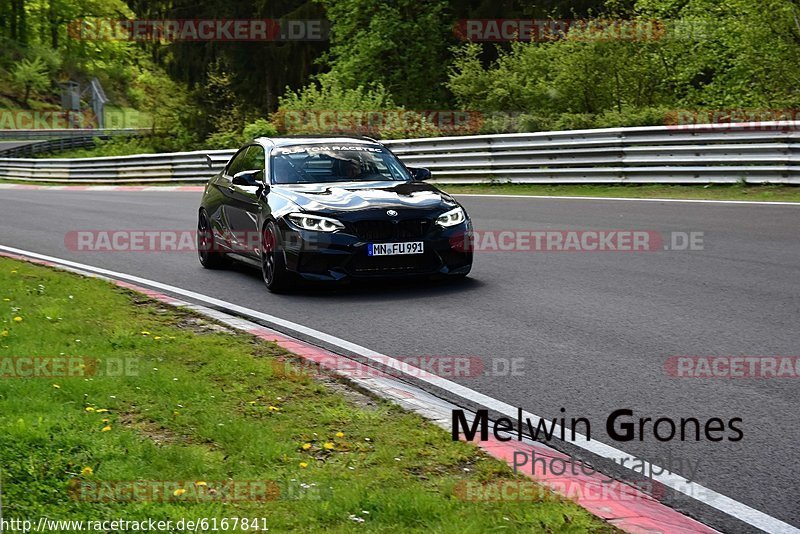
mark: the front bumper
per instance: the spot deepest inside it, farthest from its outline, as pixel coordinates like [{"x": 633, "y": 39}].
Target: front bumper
[{"x": 341, "y": 255}]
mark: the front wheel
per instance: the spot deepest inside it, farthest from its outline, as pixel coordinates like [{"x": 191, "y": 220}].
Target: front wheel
[{"x": 273, "y": 262}]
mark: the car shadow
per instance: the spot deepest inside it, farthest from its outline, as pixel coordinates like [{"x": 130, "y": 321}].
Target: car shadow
[{"x": 374, "y": 289}]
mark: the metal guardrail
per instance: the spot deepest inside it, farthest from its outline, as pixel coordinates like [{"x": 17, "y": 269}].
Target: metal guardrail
[
  {"x": 43, "y": 147},
  {"x": 70, "y": 132},
  {"x": 171, "y": 167},
  {"x": 725, "y": 153},
  {"x": 59, "y": 140},
  {"x": 720, "y": 153}
]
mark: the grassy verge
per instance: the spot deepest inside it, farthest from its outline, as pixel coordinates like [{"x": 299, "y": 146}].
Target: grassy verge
[
  {"x": 784, "y": 193},
  {"x": 175, "y": 398}
]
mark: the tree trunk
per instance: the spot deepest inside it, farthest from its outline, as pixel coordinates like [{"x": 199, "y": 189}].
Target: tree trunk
[
  {"x": 53, "y": 25},
  {"x": 12, "y": 21},
  {"x": 22, "y": 23}
]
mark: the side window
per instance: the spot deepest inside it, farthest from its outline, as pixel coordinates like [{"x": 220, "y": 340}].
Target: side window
[
  {"x": 254, "y": 160},
  {"x": 236, "y": 164}
]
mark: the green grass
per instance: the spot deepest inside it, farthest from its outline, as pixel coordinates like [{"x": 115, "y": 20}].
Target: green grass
[
  {"x": 203, "y": 404},
  {"x": 784, "y": 193}
]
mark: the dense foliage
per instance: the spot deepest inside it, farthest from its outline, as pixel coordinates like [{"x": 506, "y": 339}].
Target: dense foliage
[
  {"x": 710, "y": 55},
  {"x": 399, "y": 56}
]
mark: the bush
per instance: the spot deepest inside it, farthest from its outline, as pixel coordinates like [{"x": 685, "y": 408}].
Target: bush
[
  {"x": 259, "y": 128},
  {"x": 325, "y": 107},
  {"x": 655, "y": 116},
  {"x": 30, "y": 76},
  {"x": 575, "y": 121},
  {"x": 234, "y": 139}
]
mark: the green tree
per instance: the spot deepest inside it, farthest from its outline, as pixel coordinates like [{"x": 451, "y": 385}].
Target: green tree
[
  {"x": 716, "y": 56},
  {"x": 401, "y": 45}
]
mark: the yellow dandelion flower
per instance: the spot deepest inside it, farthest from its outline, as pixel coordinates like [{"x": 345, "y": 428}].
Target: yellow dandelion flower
[
  {"x": 89, "y": 409},
  {"x": 5, "y": 333},
  {"x": 14, "y": 271},
  {"x": 340, "y": 434},
  {"x": 145, "y": 333},
  {"x": 106, "y": 420},
  {"x": 329, "y": 446},
  {"x": 102, "y": 410},
  {"x": 87, "y": 471},
  {"x": 157, "y": 337},
  {"x": 17, "y": 319},
  {"x": 303, "y": 465},
  {"x": 6, "y": 300},
  {"x": 106, "y": 428},
  {"x": 306, "y": 446},
  {"x": 200, "y": 483},
  {"x": 274, "y": 409},
  {"x": 251, "y": 402},
  {"x": 56, "y": 386},
  {"x": 178, "y": 492}
]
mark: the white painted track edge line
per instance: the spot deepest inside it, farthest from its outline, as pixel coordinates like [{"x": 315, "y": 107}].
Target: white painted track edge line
[
  {"x": 689, "y": 200},
  {"x": 715, "y": 500}
]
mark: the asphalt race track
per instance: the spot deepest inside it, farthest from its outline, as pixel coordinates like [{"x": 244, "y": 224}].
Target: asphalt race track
[
  {"x": 7, "y": 145},
  {"x": 594, "y": 328}
]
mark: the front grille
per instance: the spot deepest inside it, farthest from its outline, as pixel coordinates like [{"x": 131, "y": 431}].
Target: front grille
[
  {"x": 374, "y": 230},
  {"x": 412, "y": 228},
  {"x": 385, "y": 230},
  {"x": 401, "y": 264}
]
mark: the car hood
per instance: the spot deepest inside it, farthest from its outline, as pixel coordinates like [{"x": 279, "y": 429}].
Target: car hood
[{"x": 366, "y": 195}]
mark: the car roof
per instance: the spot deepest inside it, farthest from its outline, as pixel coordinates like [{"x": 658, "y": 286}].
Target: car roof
[{"x": 313, "y": 140}]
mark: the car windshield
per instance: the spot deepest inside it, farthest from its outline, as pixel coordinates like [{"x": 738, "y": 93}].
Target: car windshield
[{"x": 321, "y": 163}]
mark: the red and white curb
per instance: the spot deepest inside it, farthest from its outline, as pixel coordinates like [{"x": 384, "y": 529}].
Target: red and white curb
[{"x": 622, "y": 505}]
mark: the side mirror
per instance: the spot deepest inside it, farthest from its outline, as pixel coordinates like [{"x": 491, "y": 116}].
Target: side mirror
[
  {"x": 419, "y": 174},
  {"x": 248, "y": 178}
]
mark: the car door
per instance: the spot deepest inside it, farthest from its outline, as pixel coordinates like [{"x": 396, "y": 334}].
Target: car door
[
  {"x": 245, "y": 206},
  {"x": 223, "y": 185}
]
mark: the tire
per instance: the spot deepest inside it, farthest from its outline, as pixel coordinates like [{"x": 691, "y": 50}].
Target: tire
[
  {"x": 273, "y": 262},
  {"x": 209, "y": 258}
]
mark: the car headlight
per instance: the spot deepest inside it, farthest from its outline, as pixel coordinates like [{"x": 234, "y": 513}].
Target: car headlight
[
  {"x": 315, "y": 222},
  {"x": 452, "y": 217}
]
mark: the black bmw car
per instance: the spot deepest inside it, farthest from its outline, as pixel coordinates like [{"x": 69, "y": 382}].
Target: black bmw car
[{"x": 330, "y": 209}]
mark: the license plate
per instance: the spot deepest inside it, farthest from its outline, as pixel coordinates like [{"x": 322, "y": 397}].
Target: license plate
[{"x": 394, "y": 249}]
